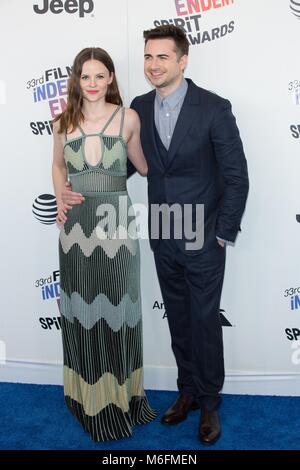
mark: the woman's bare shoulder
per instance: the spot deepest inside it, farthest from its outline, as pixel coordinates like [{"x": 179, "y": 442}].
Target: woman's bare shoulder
[{"x": 131, "y": 117}]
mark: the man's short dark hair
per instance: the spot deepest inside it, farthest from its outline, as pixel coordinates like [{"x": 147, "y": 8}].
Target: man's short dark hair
[{"x": 170, "y": 32}]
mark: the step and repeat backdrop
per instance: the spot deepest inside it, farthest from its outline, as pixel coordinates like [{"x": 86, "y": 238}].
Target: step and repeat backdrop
[{"x": 244, "y": 50}]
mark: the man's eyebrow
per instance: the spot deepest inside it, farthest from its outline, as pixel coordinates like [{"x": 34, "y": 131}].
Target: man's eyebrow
[{"x": 158, "y": 55}]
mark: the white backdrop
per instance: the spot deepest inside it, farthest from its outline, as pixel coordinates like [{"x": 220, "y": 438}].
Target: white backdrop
[{"x": 248, "y": 53}]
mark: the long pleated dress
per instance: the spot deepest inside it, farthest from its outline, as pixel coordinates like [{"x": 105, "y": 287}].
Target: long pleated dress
[{"x": 100, "y": 294}]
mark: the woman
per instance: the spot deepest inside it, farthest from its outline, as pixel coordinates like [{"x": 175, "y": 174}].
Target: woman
[{"x": 100, "y": 286}]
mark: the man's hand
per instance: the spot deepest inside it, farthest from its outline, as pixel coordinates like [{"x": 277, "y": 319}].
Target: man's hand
[
  {"x": 70, "y": 198},
  {"x": 221, "y": 243},
  {"x": 61, "y": 217}
]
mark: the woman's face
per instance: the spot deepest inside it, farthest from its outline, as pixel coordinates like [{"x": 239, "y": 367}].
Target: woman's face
[{"x": 94, "y": 80}]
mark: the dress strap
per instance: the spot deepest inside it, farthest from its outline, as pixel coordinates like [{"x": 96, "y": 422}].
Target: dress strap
[
  {"x": 81, "y": 130},
  {"x": 82, "y": 133},
  {"x": 110, "y": 119},
  {"x": 122, "y": 121}
]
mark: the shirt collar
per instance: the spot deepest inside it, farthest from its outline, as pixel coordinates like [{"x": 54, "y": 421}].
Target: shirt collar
[{"x": 173, "y": 99}]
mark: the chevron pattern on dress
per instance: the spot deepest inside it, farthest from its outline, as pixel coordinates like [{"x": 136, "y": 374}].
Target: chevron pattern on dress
[
  {"x": 75, "y": 144},
  {"x": 100, "y": 293},
  {"x": 94, "y": 398},
  {"x": 113, "y": 149},
  {"x": 112, "y": 205},
  {"x": 117, "y": 168},
  {"x": 98, "y": 238},
  {"x": 102, "y": 354},
  {"x": 109, "y": 157},
  {"x": 110, "y": 141},
  {"x": 103, "y": 428},
  {"x": 73, "y": 171},
  {"x": 113, "y": 277},
  {"x": 75, "y": 158},
  {"x": 88, "y": 315}
]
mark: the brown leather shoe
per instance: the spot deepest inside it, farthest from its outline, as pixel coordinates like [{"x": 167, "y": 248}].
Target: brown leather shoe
[
  {"x": 179, "y": 410},
  {"x": 209, "y": 428}
]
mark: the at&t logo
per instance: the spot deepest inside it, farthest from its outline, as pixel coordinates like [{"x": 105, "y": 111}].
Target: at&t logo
[
  {"x": 44, "y": 209},
  {"x": 295, "y": 8}
]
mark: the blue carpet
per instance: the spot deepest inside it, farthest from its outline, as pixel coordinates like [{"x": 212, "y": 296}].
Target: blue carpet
[{"x": 34, "y": 417}]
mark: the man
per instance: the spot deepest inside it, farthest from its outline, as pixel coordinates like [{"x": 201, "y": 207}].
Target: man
[{"x": 195, "y": 156}]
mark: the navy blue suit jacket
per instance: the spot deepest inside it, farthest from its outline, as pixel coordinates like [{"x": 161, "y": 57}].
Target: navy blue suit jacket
[{"x": 205, "y": 163}]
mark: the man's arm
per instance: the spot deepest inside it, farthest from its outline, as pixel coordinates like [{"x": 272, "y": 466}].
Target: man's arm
[
  {"x": 233, "y": 168},
  {"x": 130, "y": 167}
]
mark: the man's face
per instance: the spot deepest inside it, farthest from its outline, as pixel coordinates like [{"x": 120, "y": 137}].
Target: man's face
[{"x": 162, "y": 66}]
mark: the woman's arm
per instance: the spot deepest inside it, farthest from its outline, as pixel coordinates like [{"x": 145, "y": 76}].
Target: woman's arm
[
  {"x": 134, "y": 147},
  {"x": 59, "y": 173}
]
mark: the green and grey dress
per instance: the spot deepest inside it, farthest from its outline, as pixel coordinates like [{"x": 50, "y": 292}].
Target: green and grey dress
[{"x": 100, "y": 294}]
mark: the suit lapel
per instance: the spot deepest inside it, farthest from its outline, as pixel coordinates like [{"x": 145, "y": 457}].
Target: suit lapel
[
  {"x": 149, "y": 126},
  {"x": 185, "y": 119}
]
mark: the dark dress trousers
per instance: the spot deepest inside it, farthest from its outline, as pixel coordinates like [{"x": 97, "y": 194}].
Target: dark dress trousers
[{"x": 205, "y": 164}]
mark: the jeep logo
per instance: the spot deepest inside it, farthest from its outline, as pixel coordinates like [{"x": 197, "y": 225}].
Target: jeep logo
[{"x": 69, "y": 6}]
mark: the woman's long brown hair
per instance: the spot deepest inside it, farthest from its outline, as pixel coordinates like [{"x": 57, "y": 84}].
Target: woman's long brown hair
[{"x": 72, "y": 115}]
